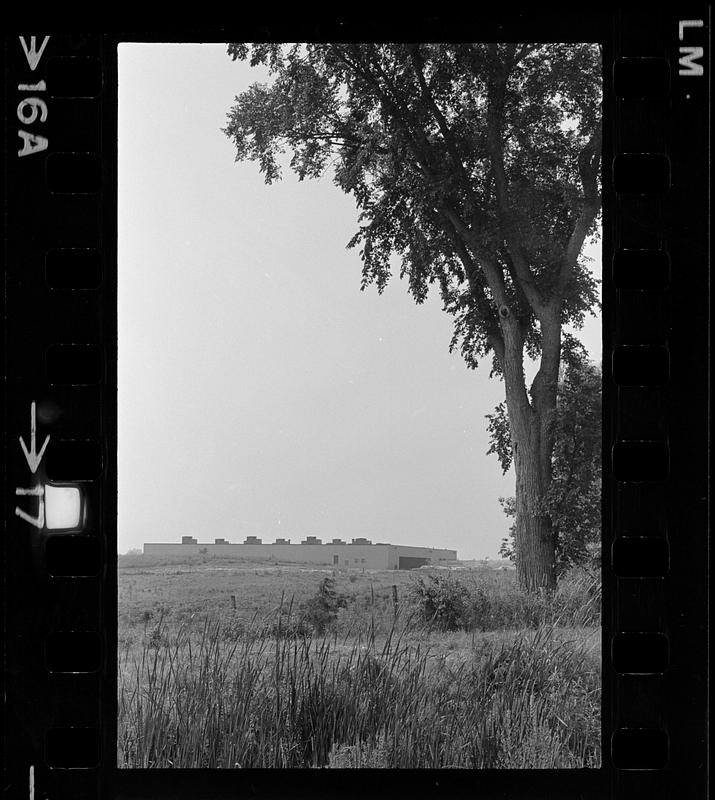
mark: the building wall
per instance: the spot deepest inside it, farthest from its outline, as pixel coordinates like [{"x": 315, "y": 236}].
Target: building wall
[
  {"x": 349, "y": 556},
  {"x": 353, "y": 556},
  {"x": 435, "y": 554}
]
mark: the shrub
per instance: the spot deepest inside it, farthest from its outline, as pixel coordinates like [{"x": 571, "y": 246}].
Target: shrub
[
  {"x": 443, "y": 601},
  {"x": 321, "y": 610},
  {"x": 492, "y": 602}
]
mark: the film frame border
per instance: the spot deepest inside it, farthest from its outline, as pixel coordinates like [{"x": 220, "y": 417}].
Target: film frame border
[{"x": 72, "y": 706}]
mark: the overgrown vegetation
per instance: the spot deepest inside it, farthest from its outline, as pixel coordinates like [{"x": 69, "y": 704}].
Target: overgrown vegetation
[
  {"x": 447, "y": 603},
  {"x": 466, "y": 671},
  {"x": 210, "y": 699}
]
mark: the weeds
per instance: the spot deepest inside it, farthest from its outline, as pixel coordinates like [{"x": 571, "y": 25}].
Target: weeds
[
  {"x": 199, "y": 699},
  {"x": 465, "y": 671}
]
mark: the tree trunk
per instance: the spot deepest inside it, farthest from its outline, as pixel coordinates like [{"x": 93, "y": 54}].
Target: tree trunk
[
  {"x": 531, "y": 426},
  {"x": 534, "y": 539}
]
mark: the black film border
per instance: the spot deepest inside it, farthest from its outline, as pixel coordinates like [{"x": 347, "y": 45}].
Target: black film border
[{"x": 61, "y": 380}]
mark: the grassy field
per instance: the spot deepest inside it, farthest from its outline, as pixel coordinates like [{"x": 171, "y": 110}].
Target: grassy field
[{"x": 319, "y": 669}]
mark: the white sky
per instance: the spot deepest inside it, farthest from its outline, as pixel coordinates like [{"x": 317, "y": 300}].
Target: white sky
[{"x": 260, "y": 392}]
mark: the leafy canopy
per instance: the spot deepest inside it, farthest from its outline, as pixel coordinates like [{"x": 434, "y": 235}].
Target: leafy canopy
[{"x": 476, "y": 165}]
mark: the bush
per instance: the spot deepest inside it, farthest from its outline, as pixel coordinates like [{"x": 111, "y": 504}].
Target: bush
[
  {"x": 321, "y": 610},
  {"x": 491, "y": 602},
  {"x": 443, "y": 601}
]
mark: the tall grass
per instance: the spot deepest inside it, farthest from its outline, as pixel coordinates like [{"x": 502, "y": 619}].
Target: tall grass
[{"x": 268, "y": 695}]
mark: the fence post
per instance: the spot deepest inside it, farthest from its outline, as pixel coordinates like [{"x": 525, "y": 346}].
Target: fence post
[
  {"x": 394, "y": 597},
  {"x": 233, "y": 602}
]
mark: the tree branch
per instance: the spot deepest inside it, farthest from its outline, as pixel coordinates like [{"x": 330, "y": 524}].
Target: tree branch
[
  {"x": 491, "y": 270},
  {"x": 589, "y": 162},
  {"x": 515, "y": 280},
  {"x": 471, "y": 269},
  {"x": 451, "y": 145},
  {"x": 496, "y": 88},
  {"x": 489, "y": 266},
  {"x": 385, "y": 95}
]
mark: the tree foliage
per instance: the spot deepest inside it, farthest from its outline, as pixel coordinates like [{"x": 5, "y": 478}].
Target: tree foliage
[
  {"x": 406, "y": 128},
  {"x": 573, "y": 501}
]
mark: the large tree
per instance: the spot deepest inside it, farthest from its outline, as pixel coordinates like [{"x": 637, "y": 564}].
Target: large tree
[{"x": 477, "y": 165}]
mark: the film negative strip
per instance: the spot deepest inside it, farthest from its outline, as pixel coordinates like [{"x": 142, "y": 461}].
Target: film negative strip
[
  {"x": 60, "y": 550},
  {"x": 655, "y": 101},
  {"x": 60, "y": 376}
]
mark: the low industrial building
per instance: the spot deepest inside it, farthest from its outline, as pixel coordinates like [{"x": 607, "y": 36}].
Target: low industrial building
[{"x": 360, "y": 553}]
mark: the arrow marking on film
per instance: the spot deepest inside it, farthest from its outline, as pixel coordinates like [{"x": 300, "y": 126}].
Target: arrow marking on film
[
  {"x": 32, "y": 54},
  {"x": 33, "y": 457}
]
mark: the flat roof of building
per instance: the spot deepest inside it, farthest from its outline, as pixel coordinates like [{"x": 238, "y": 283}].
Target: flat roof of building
[{"x": 303, "y": 544}]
